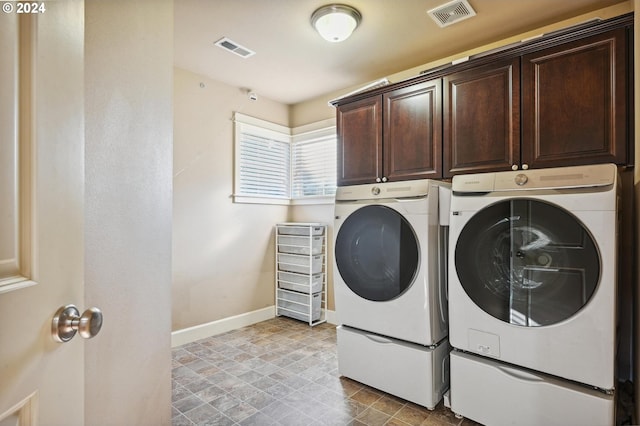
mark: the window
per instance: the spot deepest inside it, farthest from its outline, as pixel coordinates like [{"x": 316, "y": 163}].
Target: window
[
  {"x": 313, "y": 171},
  {"x": 263, "y": 162},
  {"x": 273, "y": 167}
]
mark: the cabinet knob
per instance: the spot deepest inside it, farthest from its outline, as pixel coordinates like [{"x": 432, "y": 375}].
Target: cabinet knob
[
  {"x": 525, "y": 167},
  {"x": 384, "y": 179},
  {"x": 378, "y": 180},
  {"x": 514, "y": 167}
]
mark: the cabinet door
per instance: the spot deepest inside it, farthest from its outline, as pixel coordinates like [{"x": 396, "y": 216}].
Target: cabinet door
[
  {"x": 574, "y": 102},
  {"x": 412, "y": 142},
  {"x": 359, "y": 126},
  {"x": 482, "y": 118}
]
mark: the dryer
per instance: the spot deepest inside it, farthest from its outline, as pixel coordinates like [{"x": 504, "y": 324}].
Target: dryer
[
  {"x": 389, "y": 288},
  {"x": 532, "y": 293},
  {"x": 387, "y": 260}
]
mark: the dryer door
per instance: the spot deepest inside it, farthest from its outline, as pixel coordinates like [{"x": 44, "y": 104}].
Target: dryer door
[
  {"x": 376, "y": 253},
  {"x": 527, "y": 262}
]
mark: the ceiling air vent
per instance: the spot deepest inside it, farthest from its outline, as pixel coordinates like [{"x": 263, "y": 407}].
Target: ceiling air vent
[
  {"x": 234, "y": 47},
  {"x": 452, "y": 12}
]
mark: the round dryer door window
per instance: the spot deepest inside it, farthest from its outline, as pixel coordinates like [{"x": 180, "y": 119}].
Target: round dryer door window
[
  {"x": 527, "y": 262},
  {"x": 377, "y": 253}
]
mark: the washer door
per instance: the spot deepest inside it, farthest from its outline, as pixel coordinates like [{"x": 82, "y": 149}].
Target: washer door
[
  {"x": 376, "y": 252},
  {"x": 527, "y": 262}
]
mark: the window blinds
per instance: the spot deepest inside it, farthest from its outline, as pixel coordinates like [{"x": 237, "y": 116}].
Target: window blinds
[{"x": 270, "y": 163}]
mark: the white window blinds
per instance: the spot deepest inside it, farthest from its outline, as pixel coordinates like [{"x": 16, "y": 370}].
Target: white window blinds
[
  {"x": 263, "y": 159},
  {"x": 314, "y": 164},
  {"x": 271, "y": 164}
]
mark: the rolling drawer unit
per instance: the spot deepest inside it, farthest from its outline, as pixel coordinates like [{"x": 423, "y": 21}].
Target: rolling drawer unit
[{"x": 301, "y": 276}]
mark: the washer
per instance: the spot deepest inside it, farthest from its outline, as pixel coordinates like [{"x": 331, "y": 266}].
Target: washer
[
  {"x": 532, "y": 290},
  {"x": 387, "y": 259}
]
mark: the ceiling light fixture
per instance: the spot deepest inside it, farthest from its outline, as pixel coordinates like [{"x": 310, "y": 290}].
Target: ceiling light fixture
[{"x": 335, "y": 22}]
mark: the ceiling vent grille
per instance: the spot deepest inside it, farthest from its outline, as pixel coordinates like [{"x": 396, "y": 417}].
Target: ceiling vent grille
[
  {"x": 452, "y": 12},
  {"x": 234, "y": 47}
]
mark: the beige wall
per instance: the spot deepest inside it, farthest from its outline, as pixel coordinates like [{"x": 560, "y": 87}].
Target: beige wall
[
  {"x": 128, "y": 162},
  {"x": 223, "y": 263},
  {"x": 320, "y": 213}
]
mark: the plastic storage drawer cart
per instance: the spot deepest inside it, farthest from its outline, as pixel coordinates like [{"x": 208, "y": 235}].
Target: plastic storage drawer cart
[{"x": 301, "y": 271}]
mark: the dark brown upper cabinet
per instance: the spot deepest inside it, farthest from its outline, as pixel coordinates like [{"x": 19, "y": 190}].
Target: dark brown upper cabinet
[
  {"x": 563, "y": 99},
  {"x": 359, "y": 127},
  {"x": 482, "y": 119},
  {"x": 574, "y": 104},
  {"x": 391, "y": 137}
]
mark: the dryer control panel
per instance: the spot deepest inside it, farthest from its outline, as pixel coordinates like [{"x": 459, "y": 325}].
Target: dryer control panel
[{"x": 556, "y": 178}]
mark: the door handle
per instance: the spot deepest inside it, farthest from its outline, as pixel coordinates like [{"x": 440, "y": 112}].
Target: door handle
[{"x": 67, "y": 322}]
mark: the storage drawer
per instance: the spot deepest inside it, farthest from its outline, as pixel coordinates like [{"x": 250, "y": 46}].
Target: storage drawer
[
  {"x": 300, "y": 264},
  {"x": 300, "y": 245},
  {"x": 300, "y": 282},
  {"x": 300, "y": 230},
  {"x": 495, "y": 393},
  {"x": 413, "y": 372},
  {"x": 296, "y": 305}
]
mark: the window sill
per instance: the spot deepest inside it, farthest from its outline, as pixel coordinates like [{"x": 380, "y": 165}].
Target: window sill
[
  {"x": 313, "y": 200},
  {"x": 243, "y": 199}
]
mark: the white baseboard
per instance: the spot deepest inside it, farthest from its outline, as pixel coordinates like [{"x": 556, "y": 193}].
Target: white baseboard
[
  {"x": 191, "y": 334},
  {"x": 332, "y": 318},
  {"x": 202, "y": 331}
]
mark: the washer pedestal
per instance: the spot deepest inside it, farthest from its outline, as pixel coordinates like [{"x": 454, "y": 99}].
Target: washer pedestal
[
  {"x": 412, "y": 372},
  {"x": 494, "y": 393}
]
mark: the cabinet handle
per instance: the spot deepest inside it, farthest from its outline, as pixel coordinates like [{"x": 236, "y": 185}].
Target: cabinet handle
[
  {"x": 525, "y": 167},
  {"x": 384, "y": 179},
  {"x": 514, "y": 167},
  {"x": 378, "y": 180}
]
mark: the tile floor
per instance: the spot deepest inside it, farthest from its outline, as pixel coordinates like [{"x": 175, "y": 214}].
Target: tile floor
[{"x": 281, "y": 372}]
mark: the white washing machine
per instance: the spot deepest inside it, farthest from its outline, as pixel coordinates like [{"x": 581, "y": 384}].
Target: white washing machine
[
  {"x": 532, "y": 293},
  {"x": 390, "y": 290},
  {"x": 387, "y": 272}
]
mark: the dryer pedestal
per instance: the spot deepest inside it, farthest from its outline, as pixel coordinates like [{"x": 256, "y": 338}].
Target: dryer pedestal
[
  {"x": 412, "y": 372},
  {"x": 494, "y": 393}
]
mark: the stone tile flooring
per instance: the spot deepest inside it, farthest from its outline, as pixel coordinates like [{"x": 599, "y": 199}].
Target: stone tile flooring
[{"x": 282, "y": 372}]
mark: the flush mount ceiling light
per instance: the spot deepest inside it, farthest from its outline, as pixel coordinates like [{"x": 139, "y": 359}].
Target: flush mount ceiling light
[{"x": 335, "y": 22}]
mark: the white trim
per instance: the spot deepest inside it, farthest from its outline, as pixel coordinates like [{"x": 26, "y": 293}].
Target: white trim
[
  {"x": 332, "y": 318},
  {"x": 202, "y": 331},
  {"x": 322, "y": 199},
  {"x": 314, "y": 127},
  {"x": 262, "y": 124},
  {"x": 191, "y": 334},
  {"x": 11, "y": 284},
  {"x": 246, "y": 199},
  {"x": 25, "y": 411}
]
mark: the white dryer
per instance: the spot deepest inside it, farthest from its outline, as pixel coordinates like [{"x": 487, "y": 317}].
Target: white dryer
[
  {"x": 387, "y": 260},
  {"x": 532, "y": 293},
  {"x": 389, "y": 288}
]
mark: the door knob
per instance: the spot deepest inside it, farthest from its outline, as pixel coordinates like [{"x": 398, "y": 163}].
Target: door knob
[{"x": 67, "y": 322}]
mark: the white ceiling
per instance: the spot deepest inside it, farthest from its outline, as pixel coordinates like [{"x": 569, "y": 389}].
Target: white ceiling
[{"x": 293, "y": 63}]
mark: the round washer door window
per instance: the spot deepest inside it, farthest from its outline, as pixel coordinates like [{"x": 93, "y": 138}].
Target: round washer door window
[
  {"x": 527, "y": 262},
  {"x": 377, "y": 253}
]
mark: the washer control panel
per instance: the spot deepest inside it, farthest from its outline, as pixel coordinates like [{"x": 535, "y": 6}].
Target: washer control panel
[{"x": 520, "y": 179}]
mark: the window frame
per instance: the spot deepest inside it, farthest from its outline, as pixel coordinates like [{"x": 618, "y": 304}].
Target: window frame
[{"x": 279, "y": 133}]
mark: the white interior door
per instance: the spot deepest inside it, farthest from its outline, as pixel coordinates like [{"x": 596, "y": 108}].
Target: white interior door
[{"x": 41, "y": 212}]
